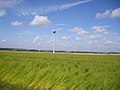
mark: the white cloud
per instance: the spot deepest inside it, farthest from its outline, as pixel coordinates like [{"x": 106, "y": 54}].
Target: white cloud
[
  {"x": 4, "y": 4},
  {"x": 2, "y": 12},
  {"x": 109, "y": 13},
  {"x": 16, "y": 23},
  {"x": 41, "y": 10},
  {"x": 9, "y": 3},
  {"x": 19, "y": 37},
  {"x": 4, "y": 40},
  {"x": 37, "y": 39},
  {"x": 79, "y": 31},
  {"x": 116, "y": 13},
  {"x": 40, "y": 20},
  {"x": 65, "y": 37},
  {"x": 78, "y": 39},
  {"x": 66, "y": 6},
  {"x": 107, "y": 42},
  {"x": 92, "y": 39},
  {"x": 105, "y": 14},
  {"x": 100, "y": 29}
]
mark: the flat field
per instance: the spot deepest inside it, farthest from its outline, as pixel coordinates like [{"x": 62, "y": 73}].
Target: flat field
[{"x": 47, "y": 71}]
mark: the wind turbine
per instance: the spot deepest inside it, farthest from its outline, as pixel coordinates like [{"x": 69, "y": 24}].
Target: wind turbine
[{"x": 54, "y": 36}]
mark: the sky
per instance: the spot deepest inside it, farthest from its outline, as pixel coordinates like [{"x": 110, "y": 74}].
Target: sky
[{"x": 85, "y": 25}]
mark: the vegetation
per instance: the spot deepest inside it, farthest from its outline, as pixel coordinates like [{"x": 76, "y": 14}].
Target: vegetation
[{"x": 46, "y": 71}]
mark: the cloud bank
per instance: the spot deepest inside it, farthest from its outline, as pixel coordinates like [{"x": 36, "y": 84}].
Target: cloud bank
[
  {"x": 100, "y": 29},
  {"x": 79, "y": 31},
  {"x": 109, "y": 14},
  {"x": 16, "y": 23},
  {"x": 9, "y": 3},
  {"x": 4, "y": 4},
  {"x": 2, "y": 12},
  {"x": 42, "y": 10}
]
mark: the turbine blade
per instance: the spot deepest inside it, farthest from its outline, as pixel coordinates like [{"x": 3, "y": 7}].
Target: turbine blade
[
  {"x": 58, "y": 29},
  {"x": 60, "y": 24},
  {"x": 52, "y": 28}
]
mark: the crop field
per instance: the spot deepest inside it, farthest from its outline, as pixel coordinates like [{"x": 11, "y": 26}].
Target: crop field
[{"x": 47, "y": 71}]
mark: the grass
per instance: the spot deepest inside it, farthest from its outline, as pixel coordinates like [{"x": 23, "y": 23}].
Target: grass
[{"x": 45, "y": 71}]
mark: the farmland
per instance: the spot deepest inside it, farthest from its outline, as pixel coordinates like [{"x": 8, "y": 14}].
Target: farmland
[{"x": 46, "y": 71}]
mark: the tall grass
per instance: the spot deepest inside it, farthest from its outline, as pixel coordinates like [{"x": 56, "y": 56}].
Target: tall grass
[{"x": 43, "y": 71}]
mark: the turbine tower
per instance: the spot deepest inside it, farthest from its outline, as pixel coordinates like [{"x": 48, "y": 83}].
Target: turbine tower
[{"x": 54, "y": 37}]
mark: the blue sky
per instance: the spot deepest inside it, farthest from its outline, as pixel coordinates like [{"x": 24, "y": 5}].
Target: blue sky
[{"x": 87, "y": 25}]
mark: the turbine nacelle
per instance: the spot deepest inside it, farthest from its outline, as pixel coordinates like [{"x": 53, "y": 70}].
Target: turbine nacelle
[{"x": 54, "y": 31}]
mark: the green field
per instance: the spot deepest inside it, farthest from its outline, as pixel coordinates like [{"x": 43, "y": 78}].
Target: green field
[{"x": 45, "y": 71}]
